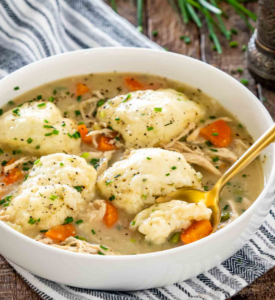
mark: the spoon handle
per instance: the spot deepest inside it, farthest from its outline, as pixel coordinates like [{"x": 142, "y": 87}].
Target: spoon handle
[{"x": 267, "y": 138}]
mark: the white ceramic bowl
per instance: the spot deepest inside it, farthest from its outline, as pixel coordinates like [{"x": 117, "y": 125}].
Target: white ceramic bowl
[{"x": 154, "y": 269}]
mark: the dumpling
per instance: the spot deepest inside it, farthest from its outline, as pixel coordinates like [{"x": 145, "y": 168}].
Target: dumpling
[
  {"x": 66, "y": 169},
  {"x": 45, "y": 206},
  {"x": 55, "y": 189},
  {"x": 134, "y": 183},
  {"x": 39, "y": 129},
  {"x": 159, "y": 221},
  {"x": 147, "y": 118}
]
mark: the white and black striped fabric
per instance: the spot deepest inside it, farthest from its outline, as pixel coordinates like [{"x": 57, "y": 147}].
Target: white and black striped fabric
[{"x": 33, "y": 29}]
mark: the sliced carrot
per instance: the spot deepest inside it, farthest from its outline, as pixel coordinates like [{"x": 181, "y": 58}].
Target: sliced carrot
[
  {"x": 82, "y": 129},
  {"x": 104, "y": 143},
  {"x": 61, "y": 232},
  {"x": 12, "y": 176},
  {"x": 81, "y": 89},
  {"x": 218, "y": 133},
  {"x": 196, "y": 231},
  {"x": 133, "y": 84},
  {"x": 111, "y": 215}
]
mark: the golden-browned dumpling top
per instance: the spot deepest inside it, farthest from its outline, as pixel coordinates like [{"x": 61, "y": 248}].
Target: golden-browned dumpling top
[
  {"x": 134, "y": 183},
  {"x": 147, "y": 118},
  {"x": 39, "y": 129}
]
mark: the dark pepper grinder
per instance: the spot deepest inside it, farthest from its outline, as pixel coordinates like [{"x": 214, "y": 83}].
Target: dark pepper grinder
[{"x": 261, "y": 47}]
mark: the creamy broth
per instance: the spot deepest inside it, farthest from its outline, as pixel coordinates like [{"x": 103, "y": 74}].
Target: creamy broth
[{"x": 240, "y": 192}]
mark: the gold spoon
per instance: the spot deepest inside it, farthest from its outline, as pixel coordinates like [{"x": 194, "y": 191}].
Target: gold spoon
[{"x": 211, "y": 198}]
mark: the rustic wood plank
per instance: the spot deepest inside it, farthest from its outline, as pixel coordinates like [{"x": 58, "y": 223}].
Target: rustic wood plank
[{"x": 170, "y": 27}]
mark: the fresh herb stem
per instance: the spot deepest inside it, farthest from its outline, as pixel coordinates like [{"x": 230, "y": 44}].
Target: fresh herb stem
[
  {"x": 113, "y": 4},
  {"x": 139, "y": 15},
  {"x": 183, "y": 10},
  {"x": 193, "y": 14}
]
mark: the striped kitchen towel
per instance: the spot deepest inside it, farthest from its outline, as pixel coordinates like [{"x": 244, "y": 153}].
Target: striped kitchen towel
[{"x": 33, "y": 29}]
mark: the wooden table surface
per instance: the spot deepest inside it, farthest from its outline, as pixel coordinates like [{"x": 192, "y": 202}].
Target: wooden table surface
[{"x": 159, "y": 15}]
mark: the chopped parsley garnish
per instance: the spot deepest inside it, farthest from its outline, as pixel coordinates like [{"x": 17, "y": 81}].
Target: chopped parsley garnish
[
  {"x": 143, "y": 196},
  {"x": 215, "y": 133},
  {"x": 117, "y": 175},
  {"x": 81, "y": 238},
  {"x": 226, "y": 207},
  {"x": 244, "y": 81},
  {"x": 4, "y": 162},
  {"x": 205, "y": 188},
  {"x": 85, "y": 155},
  {"x": 127, "y": 98},
  {"x": 79, "y": 222},
  {"x": 26, "y": 169},
  {"x": 100, "y": 253},
  {"x": 61, "y": 164},
  {"x": 51, "y": 99},
  {"x": 39, "y": 97},
  {"x": 29, "y": 140},
  {"x": 41, "y": 105},
  {"x": 1, "y": 112},
  {"x": 16, "y": 112},
  {"x": 233, "y": 44},
  {"x": 213, "y": 150},
  {"x": 133, "y": 223},
  {"x": 16, "y": 88},
  {"x": 100, "y": 102},
  {"x": 208, "y": 143},
  {"x": 212, "y": 117},
  {"x": 48, "y": 134},
  {"x": 33, "y": 221},
  {"x": 158, "y": 109},
  {"x": 37, "y": 147},
  {"x": 77, "y": 113},
  {"x": 76, "y": 135},
  {"x": 46, "y": 121},
  {"x": 79, "y": 98},
  {"x": 47, "y": 126},
  {"x": 117, "y": 119},
  {"x": 78, "y": 188},
  {"x": 150, "y": 128},
  {"x": 93, "y": 232},
  {"x": 68, "y": 220},
  {"x": 112, "y": 198},
  {"x": 44, "y": 231},
  {"x": 228, "y": 183},
  {"x": 215, "y": 159},
  {"x": 63, "y": 124},
  {"x": 240, "y": 199},
  {"x": 56, "y": 132},
  {"x": 1, "y": 151},
  {"x": 95, "y": 162},
  {"x": 244, "y": 175},
  {"x": 54, "y": 92},
  {"x": 107, "y": 182},
  {"x": 168, "y": 124},
  {"x": 53, "y": 197},
  {"x": 149, "y": 158},
  {"x": 168, "y": 174},
  {"x": 81, "y": 123},
  {"x": 102, "y": 247},
  {"x": 10, "y": 102},
  {"x": 174, "y": 168}
]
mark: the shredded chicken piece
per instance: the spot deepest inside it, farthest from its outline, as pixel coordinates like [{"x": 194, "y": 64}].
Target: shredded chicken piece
[
  {"x": 194, "y": 136},
  {"x": 185, "y": 132},
  {"x": 222, "y": 153},
  {"x": 107, "y": 156},
  {"x": 95, "y": 133},
  {"x": 18, "y": 162},
  {"x": 96, "y": 210},
  {"x": 4, "y": 217},
  {"x": 201, "y": 161},
  {"x": 90, "y": 105},
  {"x": 75, "y": 245},
  {"x": 240, "y": 147}
]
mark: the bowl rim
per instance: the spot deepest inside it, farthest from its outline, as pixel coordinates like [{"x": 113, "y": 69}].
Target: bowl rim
[{"x": 162, "y": 253}]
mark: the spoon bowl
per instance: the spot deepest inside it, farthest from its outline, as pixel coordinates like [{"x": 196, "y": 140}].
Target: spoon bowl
[{"x": 211, "y": 198}]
